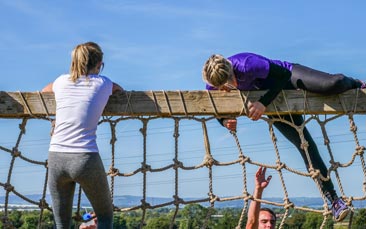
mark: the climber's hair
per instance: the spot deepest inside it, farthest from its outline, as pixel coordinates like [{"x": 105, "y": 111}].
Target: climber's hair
[
  {"x": 217, "y": 70},
  {"x": 84, "y": 59}
]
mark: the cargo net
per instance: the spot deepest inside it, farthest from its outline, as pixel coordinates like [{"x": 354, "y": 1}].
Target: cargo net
[{"x": 210, "y": 160}]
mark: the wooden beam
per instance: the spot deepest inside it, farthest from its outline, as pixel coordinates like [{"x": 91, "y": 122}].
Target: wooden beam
[{"x": 197, "y": 103}]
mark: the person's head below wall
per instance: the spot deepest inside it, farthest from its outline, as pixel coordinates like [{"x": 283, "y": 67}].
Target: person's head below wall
[
  {"x": 86, "y": 58},
  {"x": 267, "y": 219}
]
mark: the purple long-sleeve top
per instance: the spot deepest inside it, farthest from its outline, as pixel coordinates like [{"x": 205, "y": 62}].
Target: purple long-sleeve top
[{"x": 251, "y": 70}]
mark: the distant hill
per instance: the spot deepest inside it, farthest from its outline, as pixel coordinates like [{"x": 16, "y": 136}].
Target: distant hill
[{"x": 129, "y": 201}]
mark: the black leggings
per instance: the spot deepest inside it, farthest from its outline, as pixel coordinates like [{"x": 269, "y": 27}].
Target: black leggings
[
  {"x": 293, "y": 136},
  {"x": 318, "y": 82}
]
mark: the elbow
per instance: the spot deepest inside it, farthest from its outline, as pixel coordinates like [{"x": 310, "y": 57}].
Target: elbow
[{"x": 116, "y": 88}]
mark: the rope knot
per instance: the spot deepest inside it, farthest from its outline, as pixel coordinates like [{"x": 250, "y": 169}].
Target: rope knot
[
  {"x": 176, "y": 135},
  {"x": 334, "y": 165},
  {"x": 314, "y": 173},
  {"x": 8, "y": 187},
  {"x": 325, "y": 206},
  {"x": 113, "y": 172},
  {"x": 15, "y": 152},
  {"x": 280, "y": 165},
  {"x": 248, "y": 197},
  {"x": 243, "y": 159},
  {"x": 177, "y": 200},
  {"x": 327, "y": 213},
  {"x": 213, "y": 198},
  {"x": 144, "y": 204},
  {"x": 177, "y": 164},
  {"x": 208, "y": 161},
  {"x": 326, "y": 141},
  {"x": 145, "y": 167},
  {"x": 288, "y": 204},
  {"x": 348, "y": 201},
  {"x": 360, "y": 150},
  {"x": 304, "y": 145},
  {"x": 42, "y": 204},
  {"x": 353, "y": 128}
]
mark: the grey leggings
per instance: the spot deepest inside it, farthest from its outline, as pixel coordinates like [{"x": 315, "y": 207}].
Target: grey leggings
[{"x": 65, "y": 169}]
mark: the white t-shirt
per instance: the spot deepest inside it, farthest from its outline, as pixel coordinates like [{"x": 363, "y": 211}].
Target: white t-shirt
[{"x": 79, "y": 106}]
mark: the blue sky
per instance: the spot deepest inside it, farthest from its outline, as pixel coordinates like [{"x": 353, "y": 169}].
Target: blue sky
[{"x": 162, "y": 45}]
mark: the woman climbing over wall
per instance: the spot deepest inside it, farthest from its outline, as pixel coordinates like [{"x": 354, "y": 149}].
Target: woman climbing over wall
[{"x": 249, "y": 71}]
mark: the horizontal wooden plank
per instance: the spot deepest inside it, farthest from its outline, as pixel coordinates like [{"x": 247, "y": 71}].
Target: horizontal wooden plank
[{"x": 197, "y": 103}]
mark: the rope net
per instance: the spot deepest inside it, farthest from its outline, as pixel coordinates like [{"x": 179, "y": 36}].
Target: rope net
[{"x": 170, "y": 158}]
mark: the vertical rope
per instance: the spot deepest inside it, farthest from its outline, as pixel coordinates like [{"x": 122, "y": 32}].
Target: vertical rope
[
  {"x": 209, "y": 162},
  {"x": 243, "y": 160},
  {"x": 77, "y": 216},
  {"x": 176, "y": 172},
  {"x": 144, "y": 166},
  {"x": 280, "y": 165},
  {"x": 8, "y": 187},
  {"x": 43, "y": 203},
  {"x": 112, "y": 169},
  {"x": 360, "y": 150}
]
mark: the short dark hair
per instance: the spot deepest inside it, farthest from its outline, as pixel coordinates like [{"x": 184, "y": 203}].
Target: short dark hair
[{"x": 270, "y": 211}]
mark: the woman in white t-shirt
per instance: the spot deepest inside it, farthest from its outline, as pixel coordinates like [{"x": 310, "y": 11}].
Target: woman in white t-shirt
[{"x": 73, "y": 154}]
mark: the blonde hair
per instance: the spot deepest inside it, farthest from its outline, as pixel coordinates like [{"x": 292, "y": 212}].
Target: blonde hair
[
  {"x": 84, "y": 58},
  {"x": 217, "y": 70}
]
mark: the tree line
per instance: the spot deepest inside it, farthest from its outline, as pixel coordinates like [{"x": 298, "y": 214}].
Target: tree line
[{"x": 190, "y": 217}]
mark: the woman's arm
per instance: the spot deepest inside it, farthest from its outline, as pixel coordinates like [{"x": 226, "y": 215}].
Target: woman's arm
[
  {"x": 48, "y": 88},
  {"x": 116, "y": 87},
  {"x": 280, "y": 76}
]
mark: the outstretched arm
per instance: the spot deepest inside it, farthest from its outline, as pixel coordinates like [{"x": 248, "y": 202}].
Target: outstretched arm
[{"x": 260, "y": 184}]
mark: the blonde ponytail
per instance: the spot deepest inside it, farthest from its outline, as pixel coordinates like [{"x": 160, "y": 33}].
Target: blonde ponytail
[{"x": 84, "y": 58}]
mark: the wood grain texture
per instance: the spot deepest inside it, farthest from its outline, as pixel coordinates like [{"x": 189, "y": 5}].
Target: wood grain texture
[{"x": 193, "y": 103}]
